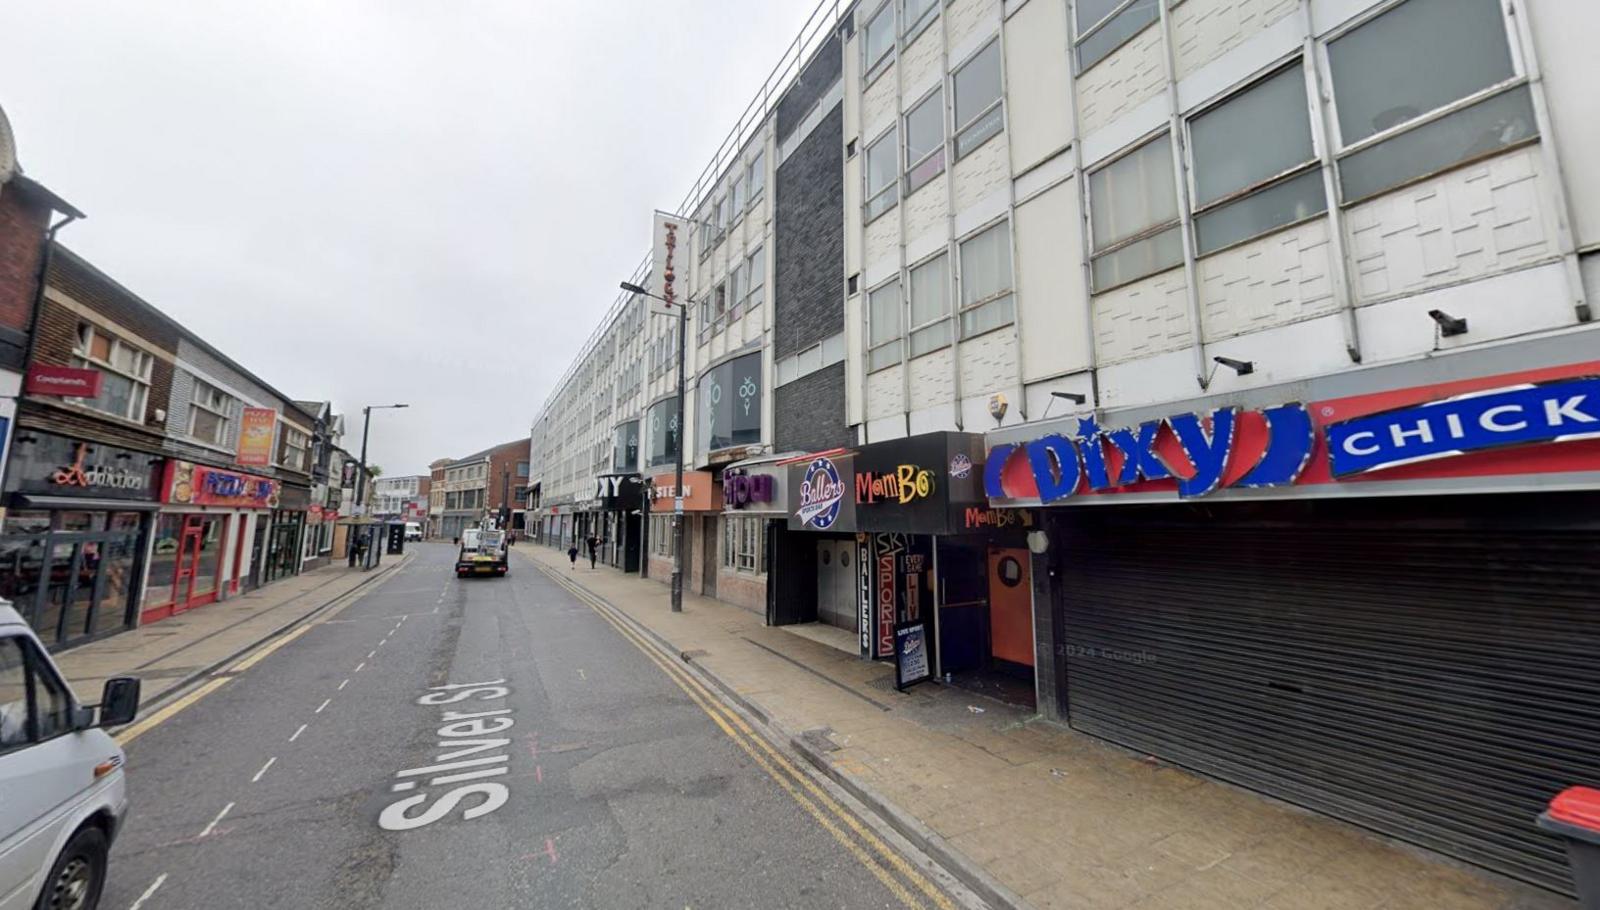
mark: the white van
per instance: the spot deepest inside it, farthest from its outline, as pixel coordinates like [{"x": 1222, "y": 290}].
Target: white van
[
  {"x": 413, "y": 531},
  {"x": 61, "y": 777}
]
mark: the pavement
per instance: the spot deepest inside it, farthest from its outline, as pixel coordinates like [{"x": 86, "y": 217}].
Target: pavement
[
  {"x": 169, "y": 654},
  {"x": 431, "y": 742},
  {"x": 1027, "y": 813}
]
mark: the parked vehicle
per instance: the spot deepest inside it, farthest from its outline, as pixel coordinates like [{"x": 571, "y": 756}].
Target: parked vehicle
[
  {"x": 413, "y": 531},
  {"x": 483, "y": 552},
  {"x": 61, "y": 777}
]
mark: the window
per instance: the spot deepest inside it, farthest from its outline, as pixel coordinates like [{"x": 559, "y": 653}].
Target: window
[
  {"x": 1254, "y": 168},
  {"x": 883, "y": 324},
  {"x": 292, "y": 448},
  {"x": 1133, "y": 216},
  {"x": 930, "y": 305},
  {"x": 986, "y": 301},
  {"x": 1426, "y": 85},
  {"x": 979, "y": 114},
  {"x": 724, "y": 215},
  {"x": 925, "y": 141},
  {"x": 1105, "y": 25},
  {"x": 916, "y": 14},
  {"x": 211, "y": 413},
  {"x": 661, "y": 542},
  {"x": 743, "y": 547},
  {"x": 522, "y": 469},
  {"x": 756, "y": 280},
  {"x": 124, "y": 369},
  {"x": 719, "y": 302},
  {"x": 34, "y": 705},
  {"x": 736, "y": 287},
  {"x": 737, "y": 197},
  {"x": 882, "y": 173},
  {"x": 878, "y": 40},
  {"x": 756, "y": 177}
]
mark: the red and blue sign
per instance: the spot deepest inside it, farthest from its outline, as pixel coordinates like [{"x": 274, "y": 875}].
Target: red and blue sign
[
  {"x": 1539, "y": 421},
  {"x": 821, "y": 493}
]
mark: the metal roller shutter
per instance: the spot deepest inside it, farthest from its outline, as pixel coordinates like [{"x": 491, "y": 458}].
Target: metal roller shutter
[{"x": 1411, "y": 668}]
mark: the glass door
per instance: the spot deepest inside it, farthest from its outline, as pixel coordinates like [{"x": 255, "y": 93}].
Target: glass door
[{"x": 189, "y": 543}]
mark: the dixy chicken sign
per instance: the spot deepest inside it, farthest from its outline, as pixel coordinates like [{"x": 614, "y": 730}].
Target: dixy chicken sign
[{"x": 1535, "y": 422}]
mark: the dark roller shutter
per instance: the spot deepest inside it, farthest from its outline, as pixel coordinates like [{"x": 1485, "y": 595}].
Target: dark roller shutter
[{"x": 1419, "y": 669}]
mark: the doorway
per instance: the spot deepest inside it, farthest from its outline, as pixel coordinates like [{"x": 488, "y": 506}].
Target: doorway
[
  {"x": 836, "y": 584},
  {"x": 708, "y": 555}
]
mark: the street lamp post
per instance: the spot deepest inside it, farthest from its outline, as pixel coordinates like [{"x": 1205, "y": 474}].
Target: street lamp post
[
  {"x": 361, "y": 474},
  {"x": 677, "y": 487}
]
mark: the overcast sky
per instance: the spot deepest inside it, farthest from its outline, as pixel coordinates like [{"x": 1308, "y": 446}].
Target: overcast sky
[{"x": 371, "y": 201}]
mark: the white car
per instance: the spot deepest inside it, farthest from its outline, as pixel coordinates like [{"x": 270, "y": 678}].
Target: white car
[{"x": 61, "y": 779}]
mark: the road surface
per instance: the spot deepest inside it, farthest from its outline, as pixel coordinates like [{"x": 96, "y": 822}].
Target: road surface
[{"x": 483, "y": 743}]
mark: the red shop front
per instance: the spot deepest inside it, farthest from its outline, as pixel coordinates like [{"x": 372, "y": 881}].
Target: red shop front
[{"x": 201, "y": 550}]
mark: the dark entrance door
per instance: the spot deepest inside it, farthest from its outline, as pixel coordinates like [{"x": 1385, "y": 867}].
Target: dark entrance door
[
  {"x": 708, "y": 556},
  {"x": 257, "y": 551}
]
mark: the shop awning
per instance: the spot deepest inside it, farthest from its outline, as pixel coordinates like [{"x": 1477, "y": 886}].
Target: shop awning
[{"x": 30, "y": 501}]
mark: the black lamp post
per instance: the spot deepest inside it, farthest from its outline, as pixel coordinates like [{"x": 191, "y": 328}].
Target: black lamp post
[
  {"x": 677, "y": 487},
  {"x": 361, "y": 474}
]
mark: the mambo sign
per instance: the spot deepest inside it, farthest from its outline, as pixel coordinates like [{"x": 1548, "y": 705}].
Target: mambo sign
[
  {"x": 1296, "y": 443},
  {"x": 902, "y": 485}
]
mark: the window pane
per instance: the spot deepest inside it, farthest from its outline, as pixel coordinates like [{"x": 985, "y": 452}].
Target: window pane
[
  {"x": 881, "y": 358},
  {"x": 881, "y": 164},
  {"x": 915, "y": 10},
  {"x": 1092, "y": 11},
  {"x": 1295, "y": 199},
  {"x": 883, "y": 311},
  {"x": 1421, "y": 55},
  {"x": 116, "y": 394},
  {"x": 1133, "y": 194},
  {"x": 738, "y": 194},
  {"x": 758, "y": 176},
  {"x": 758, "y": 268},
  {"x": 925, "y": 128},
  {"x": 52, "y": 708},
  {"x": 977, "y": 84},
  {"x": 1491, "y": 124},
  {"x": 1127, "y": 23},
  {"x": 930, "y": 284},
  {"x": 1251, "y": 137},
  {"x": 206, "y": 426},
  {"x": 100, "y": 347},
  {"x": 986, "y": 264},
  {"x": 879, "y": 38},
  {"x": 930, "y": 339},
  {"x": 1136, "y": 260},
  {"x": 13, "y": 694},
  {"x": 990, "y": 316}
]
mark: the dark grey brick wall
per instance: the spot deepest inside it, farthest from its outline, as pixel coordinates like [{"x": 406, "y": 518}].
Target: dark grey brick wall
[
  {"x": 809, "y": 258},
  {"x": 808, "y": 414},
  {"x": 821, "y": 72}
]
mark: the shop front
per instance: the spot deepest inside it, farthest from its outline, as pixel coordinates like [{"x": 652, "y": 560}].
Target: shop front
[
  {"x": 1357, "y": 595},
  {"x": 282, "y": 558},
  {"x": 616, "y": 514},
  {"x": 77, "y": 527},
  {"x": 895, "y": 534},
  {"x": 702, "y": 502},
  {"x": 209, "y": 517},
  {"x": 754, "y": 496}
]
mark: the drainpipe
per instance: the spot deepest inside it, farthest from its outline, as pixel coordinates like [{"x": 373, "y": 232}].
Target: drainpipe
[{"x": 47, "y": 254}]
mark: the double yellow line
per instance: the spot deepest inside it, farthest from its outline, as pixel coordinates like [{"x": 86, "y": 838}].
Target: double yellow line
[{"x": 865, "y": 845}]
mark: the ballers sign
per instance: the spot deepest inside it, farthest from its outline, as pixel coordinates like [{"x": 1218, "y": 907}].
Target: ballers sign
[{"x": 821, "y": 495}]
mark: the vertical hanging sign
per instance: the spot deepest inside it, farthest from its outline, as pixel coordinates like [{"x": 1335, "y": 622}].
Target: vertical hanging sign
[
  {"x": 255, "y": 436},
  {"x": 668, "y": 257}
]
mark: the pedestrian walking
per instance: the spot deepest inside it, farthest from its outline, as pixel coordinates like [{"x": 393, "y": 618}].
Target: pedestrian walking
[
  {"x": 594, "y": 550},
  {"x": 572, "y": 554}
]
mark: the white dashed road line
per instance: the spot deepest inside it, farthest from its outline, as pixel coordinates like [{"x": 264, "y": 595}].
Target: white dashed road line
[
  {"x": 149, "y": 891},
  {"x": 343, "y": 684},
  {"x": 257, "y": 778},
  {"x": 325, "y": 702},
  {"x": 360, "y": 665},
  {"x": 206, "y": 832},
  {"x": 297, "y": 733}
]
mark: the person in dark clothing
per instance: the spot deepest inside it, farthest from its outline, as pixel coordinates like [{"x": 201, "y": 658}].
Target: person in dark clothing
[
  {"x": 572, "y": 554},
  {"x": 594, "y": 549}
]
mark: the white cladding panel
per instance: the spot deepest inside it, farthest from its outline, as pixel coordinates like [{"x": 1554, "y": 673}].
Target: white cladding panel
[
  {"x": 1052, "y": 304},
  {"x": 1280, "y": 278}
]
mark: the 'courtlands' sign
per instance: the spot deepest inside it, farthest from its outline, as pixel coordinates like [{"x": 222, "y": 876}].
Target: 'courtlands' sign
[{"x": 1535, "y": 422}]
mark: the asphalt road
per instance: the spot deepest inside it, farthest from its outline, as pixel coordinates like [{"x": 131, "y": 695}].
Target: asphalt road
[{"x": 358, "y": 766}]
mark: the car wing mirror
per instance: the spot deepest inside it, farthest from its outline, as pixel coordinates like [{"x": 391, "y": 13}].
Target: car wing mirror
[{"x": 119, "y": 701}]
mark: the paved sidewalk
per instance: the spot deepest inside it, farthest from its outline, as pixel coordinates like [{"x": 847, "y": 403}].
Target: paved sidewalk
[
  {"x": 169, "y": 653},
  {"x": 1060, "y": 818}
]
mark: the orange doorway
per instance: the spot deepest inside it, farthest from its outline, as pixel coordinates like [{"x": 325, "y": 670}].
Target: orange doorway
[{"x": 1010, "y": 606}]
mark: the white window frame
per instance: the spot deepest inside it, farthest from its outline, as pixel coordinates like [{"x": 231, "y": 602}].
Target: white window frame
[
  {"x": 144, "y": 361},
  {"x": 287, "y": 434},
  {"x": 756, "y": 178},
  {"x": 755, "y": 280},
  {"x": 999, "y": 101},
  {"x": 223, "y": 412},
  {"x": 896, "y": 340},
  {"x": 1198, "y": 210},
  {"x": 736, "y": 196},
  {"x": 1343, "y": 151},
  {"x": 909, "y": 30},
  {"x": 994, "y": 299},
  {"x": 1080, "y": 35},
  {"x": 872, "y": 69},
  {"x": 935, "y": 97},
  {"x": 1146, "y": 233},
  {"x": 891, "y": 189},
  {"x": 942, "y": 320},
  {"x": 735, "y": 293}
]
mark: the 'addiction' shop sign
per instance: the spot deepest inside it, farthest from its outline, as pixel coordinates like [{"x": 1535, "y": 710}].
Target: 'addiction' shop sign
[{"x": 1535, "y": 422}]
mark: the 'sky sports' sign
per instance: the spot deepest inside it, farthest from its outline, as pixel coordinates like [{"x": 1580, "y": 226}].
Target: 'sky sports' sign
[{"x": 1402, "y": 435}]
